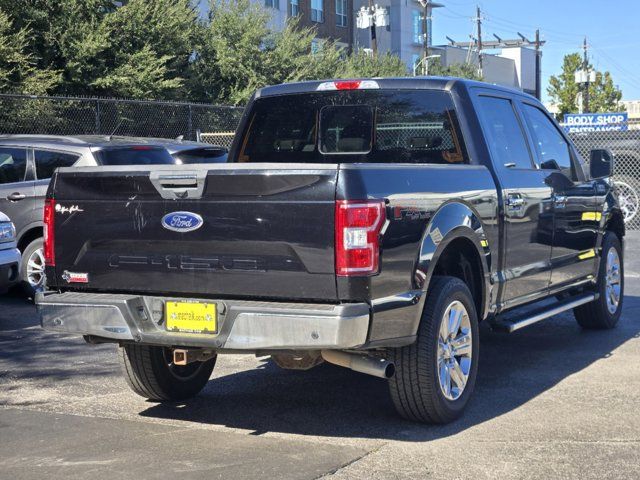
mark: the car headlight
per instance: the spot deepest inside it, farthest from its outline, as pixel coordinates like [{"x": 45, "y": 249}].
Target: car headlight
[{"x": 7, "y": 232}]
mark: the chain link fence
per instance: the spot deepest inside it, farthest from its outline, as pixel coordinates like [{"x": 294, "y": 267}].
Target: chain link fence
[
  {"x": 624, "y": 141},
  {"x": 24, "y": 114}
]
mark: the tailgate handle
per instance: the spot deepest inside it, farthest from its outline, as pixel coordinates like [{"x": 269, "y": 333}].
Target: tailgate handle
[
  {"x": 179, "y": 186},
  {"x": 173, "y": 182}
]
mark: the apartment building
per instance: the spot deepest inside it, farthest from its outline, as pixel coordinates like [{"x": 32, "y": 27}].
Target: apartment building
[{"x": 332, "y": 19}]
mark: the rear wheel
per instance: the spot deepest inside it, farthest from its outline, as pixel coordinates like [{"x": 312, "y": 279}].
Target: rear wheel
[
  {"x": 32, "y": 267},
  {"x": 604, "y": 312},
  {"x": 436, "y": 375},
  {"x": 151, "y": 373}
]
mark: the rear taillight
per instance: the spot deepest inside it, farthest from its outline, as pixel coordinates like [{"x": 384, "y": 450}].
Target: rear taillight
[
  {"x": 358, "y": 225},
  {"x": 49, "y": 235}
]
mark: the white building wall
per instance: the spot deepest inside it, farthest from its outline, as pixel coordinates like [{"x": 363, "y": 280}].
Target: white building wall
[
  {"x": 525, "y": 65},
  {"x": 278, "y": 15},
  {"x": 633, "y": 108}
]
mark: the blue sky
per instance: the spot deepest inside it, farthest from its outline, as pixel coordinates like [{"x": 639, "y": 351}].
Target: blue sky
[{"x": 612, "y": 29}]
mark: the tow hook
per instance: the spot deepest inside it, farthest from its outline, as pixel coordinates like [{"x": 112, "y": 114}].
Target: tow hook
[{"x": 185, "y": 357}]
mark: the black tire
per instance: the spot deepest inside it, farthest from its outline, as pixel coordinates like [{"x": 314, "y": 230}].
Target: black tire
[
  {"x": 596, "y": 315},
  {"x": 149, "y": 372},
  {"x": 415, "y": 387},
  {"x": 27, "y": 253}
]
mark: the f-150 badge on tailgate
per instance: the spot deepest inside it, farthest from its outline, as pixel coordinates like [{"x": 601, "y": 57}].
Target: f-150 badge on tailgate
[{"x": 182, "y": 221}]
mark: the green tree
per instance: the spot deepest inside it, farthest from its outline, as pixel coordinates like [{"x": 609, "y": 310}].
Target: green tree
[
  {"x": 237, "y": 53},
  {"x": 462, "y": 70},
  {"x": 19, "y": 72},
  {"x": 604, "y": 96},
  {"x": 362, "y": 64},
  {"x": 141, "y": 50}
]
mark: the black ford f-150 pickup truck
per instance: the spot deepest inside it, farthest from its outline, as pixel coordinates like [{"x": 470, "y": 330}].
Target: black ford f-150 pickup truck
[{"x": 371, "y": 224}]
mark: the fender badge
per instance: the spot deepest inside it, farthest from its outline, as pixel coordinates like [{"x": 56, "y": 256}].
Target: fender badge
[{"x": 73, "y": 277}]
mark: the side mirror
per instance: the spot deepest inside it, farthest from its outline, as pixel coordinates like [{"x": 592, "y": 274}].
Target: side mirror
[
  {"x": 601, "y": 163},
  {"x": 550, "y": 165}
]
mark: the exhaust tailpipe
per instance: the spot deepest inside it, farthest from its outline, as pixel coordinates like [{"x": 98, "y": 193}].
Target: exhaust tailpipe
[{"x": 377, "y": 367}]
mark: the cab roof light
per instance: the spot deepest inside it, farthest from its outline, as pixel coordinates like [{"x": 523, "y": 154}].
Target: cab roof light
[{"x": 348, "y": 85}]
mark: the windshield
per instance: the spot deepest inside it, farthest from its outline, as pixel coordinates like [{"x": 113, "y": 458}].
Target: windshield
[
  {"x": 134, "y": 155},
  {"x": 374, "y": 126}
]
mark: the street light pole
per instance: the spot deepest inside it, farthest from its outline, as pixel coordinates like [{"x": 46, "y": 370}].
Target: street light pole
[
  {"x": 427, "y": 5},
  {"x": 425, "y": 65},
  {"x": 585, "y": 67}
]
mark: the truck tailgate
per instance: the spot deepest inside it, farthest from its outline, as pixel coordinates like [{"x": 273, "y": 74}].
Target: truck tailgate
[{"x": 266, "y": 230}]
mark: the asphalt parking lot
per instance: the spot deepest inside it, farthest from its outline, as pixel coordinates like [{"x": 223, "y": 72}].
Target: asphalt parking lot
[{"x": 552, "y": 401}]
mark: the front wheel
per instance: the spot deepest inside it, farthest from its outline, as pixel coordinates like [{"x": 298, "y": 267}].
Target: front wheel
[
  {"x": 151, "y": 373},
  {"x": 436, "y": 375},
  {"x": 604, "y": 312}
]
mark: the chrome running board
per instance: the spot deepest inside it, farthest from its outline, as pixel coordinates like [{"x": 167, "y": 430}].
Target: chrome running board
[{"x": 516, "y": 323}]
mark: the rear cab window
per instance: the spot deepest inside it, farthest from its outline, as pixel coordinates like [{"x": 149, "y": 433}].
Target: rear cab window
[
  {"x": 201, "y": 155},
  {"x": 134, "y": 155},
  {"x": 359, "y": 126}
]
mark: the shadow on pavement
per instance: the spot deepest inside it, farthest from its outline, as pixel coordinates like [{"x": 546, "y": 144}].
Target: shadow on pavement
[
  {"x": 331, "y": 401},
  {"x": 28, "y": 352}
]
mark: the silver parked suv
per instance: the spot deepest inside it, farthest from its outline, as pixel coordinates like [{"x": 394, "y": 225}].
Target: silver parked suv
[{"x": 27, "y": 162}]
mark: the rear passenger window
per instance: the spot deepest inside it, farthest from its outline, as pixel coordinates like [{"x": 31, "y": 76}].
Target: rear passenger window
[
  {"x": 504, "y": 133},
  {"x": 13, "y": 164},
  {"x": 47, "y": 162},
  {"x": 550, "y": 145}
]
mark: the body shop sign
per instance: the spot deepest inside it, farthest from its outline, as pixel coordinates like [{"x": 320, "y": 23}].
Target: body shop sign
[{"x": 595, "y": 122}]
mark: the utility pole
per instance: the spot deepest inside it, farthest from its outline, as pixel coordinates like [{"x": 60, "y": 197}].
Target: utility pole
[
  {"x": 538, "y": 69},
  {"x": 479, "y": 33},
  {"x": 374, "y": 40},
  {"x": 427, "y": 6},
  {"x": 585, "y": 67}
]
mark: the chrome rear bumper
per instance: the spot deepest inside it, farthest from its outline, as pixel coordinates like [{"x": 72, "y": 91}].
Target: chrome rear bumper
[{"x": 243, "y": 325}]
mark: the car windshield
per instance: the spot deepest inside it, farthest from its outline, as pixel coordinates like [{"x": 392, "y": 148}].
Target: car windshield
[
  {"x": 371, "y": 126},
  {"x": 201, "y": 155},
  {"x": 134, "y": 155}
]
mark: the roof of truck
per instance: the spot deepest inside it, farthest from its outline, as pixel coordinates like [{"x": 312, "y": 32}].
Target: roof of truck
[{"x": 438, "y": 83}]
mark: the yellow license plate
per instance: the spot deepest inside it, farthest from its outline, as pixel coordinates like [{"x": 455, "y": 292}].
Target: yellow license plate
[{"x": 192, "y": 317}]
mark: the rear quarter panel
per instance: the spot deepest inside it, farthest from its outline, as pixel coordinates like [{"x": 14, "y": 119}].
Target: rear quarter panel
[{"x": 427, "y": 207}]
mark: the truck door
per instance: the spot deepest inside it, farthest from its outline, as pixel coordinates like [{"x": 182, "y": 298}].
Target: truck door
[
  {"x": 528, "y": 220},
  {"x": 576, "y": 218}
]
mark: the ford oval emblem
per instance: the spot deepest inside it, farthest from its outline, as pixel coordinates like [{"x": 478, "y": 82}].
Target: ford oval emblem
[{"x": 182, "y": 221}]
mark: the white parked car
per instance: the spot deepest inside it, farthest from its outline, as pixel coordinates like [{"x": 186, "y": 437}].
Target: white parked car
[{"x": 9, "y": 254}]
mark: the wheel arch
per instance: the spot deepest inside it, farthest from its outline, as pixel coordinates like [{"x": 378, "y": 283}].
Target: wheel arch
[
  {"x": 455, "y": 244},
  {"x": 29, "y": 234}
]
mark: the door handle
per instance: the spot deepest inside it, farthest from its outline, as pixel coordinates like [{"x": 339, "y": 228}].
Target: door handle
[
  {"x": 515, "y": 201},
  {"x": 16, "y": 196}
]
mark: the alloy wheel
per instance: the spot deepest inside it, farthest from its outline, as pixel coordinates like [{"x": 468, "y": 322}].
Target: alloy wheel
[
  {"x": 35, "y": 268},
  {"x": 455, "y": 350},
  {"x": 612, "y": 280}
]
